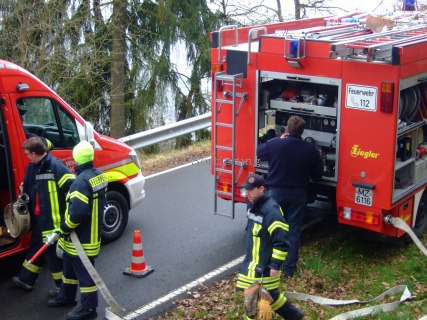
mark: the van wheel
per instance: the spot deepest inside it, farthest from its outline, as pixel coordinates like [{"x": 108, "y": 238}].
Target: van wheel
[
  {"x": 115, "y": 218},
  {"x": 421, "y": 221}
]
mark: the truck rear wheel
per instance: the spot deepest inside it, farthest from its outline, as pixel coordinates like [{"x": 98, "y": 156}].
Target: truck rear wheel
[
  {"x": 420, "y": 225},
  {"x": 115, "y": 218}
]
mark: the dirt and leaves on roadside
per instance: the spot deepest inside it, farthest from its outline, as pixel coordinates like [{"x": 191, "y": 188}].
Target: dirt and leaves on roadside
[
  {"x": 154, "y": 163},
  {"x": 339, "y": 264}
]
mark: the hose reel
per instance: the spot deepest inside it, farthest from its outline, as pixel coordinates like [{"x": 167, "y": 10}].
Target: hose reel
[{"x": 17, "y": 216}]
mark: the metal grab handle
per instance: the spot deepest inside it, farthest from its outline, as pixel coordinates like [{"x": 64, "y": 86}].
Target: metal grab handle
[
  {"x": 253, "y": 34},
  {"x": 220, "y": 38}
]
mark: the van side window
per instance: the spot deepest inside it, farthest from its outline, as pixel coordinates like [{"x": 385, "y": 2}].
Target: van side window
[{"x": 45, "y": 118}]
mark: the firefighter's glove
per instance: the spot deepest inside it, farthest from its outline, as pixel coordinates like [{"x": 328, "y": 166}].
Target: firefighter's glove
[
  {"x": 251, "y": 295},
  {"x": 264, "y": 305}
]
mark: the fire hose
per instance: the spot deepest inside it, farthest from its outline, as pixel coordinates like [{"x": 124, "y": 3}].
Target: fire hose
[
  {"x": 406, "y": 294},
  {"x": 17, "y": 216},
  {"x": 115, "y": 311}
]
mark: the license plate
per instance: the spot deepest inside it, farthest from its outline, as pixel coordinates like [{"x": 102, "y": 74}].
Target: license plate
[{"x": 364, "y": 196}]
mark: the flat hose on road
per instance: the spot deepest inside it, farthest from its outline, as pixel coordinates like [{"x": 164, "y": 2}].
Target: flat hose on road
[
  {"x": 386, "y": 307},
  {"x": 115, "y": 308}
]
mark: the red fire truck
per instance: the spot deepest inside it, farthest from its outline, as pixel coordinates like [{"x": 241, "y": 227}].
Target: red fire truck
[
  {"x": 360, "y": 83},
  {"x": 28, "y": 105}
]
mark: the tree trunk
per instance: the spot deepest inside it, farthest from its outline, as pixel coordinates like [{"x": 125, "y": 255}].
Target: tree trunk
[
  {"x": 118, "y": 124},
  {"x": 297, "y": 9},
  {"x": 279, "y": 10}
]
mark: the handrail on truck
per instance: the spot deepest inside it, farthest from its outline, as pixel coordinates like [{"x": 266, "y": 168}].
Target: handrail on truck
[
  {"x": 220, "y": 38},
  {"x": 253, "y": 34}
]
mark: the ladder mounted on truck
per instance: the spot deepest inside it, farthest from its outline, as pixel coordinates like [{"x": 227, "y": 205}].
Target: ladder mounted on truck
[
  {"x": 377, "y": 46},
  {"x": 228, "y": 166}
]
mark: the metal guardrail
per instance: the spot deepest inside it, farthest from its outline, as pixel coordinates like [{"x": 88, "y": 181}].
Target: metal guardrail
[{"x": 169, "y": 131}]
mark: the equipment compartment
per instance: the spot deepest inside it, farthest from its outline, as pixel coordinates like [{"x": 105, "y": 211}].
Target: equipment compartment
[{"x": 315, "y": 99}]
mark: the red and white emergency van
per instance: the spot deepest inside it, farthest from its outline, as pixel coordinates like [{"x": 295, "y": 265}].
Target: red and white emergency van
[
  {"x": 45, "y": 114},
  {"x": 360, "y": 83}
]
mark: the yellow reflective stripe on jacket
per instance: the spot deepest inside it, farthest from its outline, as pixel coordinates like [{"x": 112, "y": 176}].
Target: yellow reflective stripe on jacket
[
  {"x": 255, "y": 249},
  {"x": 65, "y": 178},
  {"x": 94, "y": 223},
  {"x": 45, "y": 233},
  {"x": 91, "y": 249},
  {"x": 54, "y": 204},
  {"x": 80, "y": 196},
  {"x": 270, "y": 283},
  {"x": 70, "y": 224},
  {"x": 277, "y": 224},
  {"x": 88, "y": 289},
  {"x": 279, "y": 254},
  {"x": 279, "y": 302}
]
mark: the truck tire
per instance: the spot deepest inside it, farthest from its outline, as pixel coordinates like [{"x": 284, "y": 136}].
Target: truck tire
[
  {"x": 420, "y": 225},
  {"x": 115, "y": 218}
]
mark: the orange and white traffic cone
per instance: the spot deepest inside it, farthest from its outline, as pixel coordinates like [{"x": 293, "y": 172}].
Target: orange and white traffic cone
[{"x": 138, "y": 267}]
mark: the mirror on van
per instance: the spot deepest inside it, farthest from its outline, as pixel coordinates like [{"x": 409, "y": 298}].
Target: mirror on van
[{"x": 89, "y": 136}]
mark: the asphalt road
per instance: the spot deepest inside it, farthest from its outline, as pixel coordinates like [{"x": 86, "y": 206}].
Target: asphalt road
[{"x": 182, "y": 239}]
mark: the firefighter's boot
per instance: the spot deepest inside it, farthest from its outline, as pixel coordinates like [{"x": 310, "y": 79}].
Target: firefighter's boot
[
  {"x": 21, "y": 284},
  {"x": 53, "y": 292},
  {"x": 60, "y": 302},
  {"x": 81, "y": 313},
  {"x": 289, "y": 312}
]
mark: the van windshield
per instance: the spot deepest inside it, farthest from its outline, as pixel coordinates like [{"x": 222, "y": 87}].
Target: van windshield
[{"x": 45, "y": 118}]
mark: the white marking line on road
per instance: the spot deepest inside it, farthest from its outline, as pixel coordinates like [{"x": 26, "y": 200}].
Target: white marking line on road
[
  {"x": 201, "y": 161},
  {"x": 183, "y": 289}
]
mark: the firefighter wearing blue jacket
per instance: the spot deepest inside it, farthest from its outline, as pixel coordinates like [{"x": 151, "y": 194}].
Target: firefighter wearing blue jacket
[
  {"x": 46, "y": 181},
  {"x": 86, "y": 201},
  {"x": 292, "y": 163},
  {"x": 266, "y": 246}
]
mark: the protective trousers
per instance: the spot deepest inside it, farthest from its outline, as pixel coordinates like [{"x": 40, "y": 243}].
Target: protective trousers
[
  {"x": 75, "y": 274},
  {"x": 293, "y": 202},
  {"x": 29, "y": 273}
]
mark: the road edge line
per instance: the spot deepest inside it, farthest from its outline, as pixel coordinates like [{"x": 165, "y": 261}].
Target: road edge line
[{"x": 171, "y": 295}]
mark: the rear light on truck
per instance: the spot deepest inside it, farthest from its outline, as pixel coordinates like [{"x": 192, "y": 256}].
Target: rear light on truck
[
  {"x": 360, "y": 216},
  {"x": 387, "y": 91},
  {"x": 217, "y": 67},
  {"x": 224, "y": 187}
]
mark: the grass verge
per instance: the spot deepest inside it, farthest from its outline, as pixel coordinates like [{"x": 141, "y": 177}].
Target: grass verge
[{"x": 340, "y": 265}]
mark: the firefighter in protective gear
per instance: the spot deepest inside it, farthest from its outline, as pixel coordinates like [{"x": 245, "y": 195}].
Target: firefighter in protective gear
[
  {"x": 46, "y": 181},
  {"x": 85, "y": 205},
  {"x": 266, "y": 247}
]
